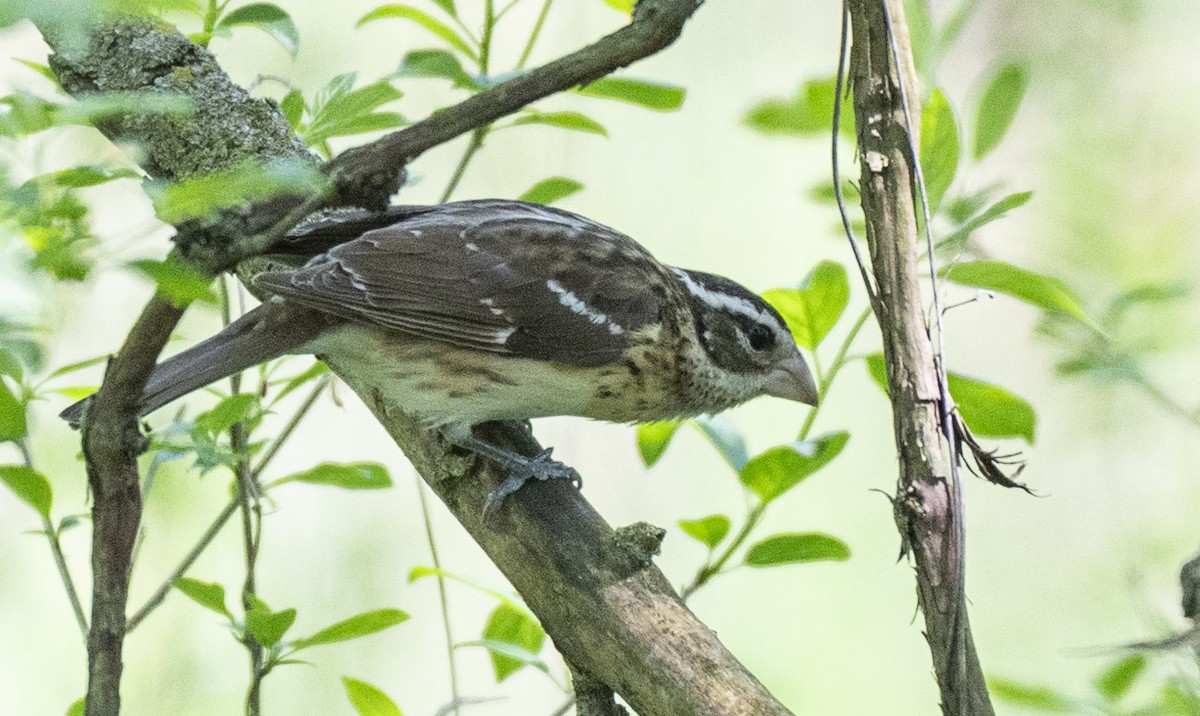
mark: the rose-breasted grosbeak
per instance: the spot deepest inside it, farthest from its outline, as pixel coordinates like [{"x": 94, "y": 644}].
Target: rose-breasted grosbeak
[{"x": 490, "y": 310}]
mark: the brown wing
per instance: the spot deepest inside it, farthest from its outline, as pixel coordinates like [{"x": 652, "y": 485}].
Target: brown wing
[{"x": 499, "y": 276}]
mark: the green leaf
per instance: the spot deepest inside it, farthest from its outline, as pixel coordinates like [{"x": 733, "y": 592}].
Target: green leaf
[
  {"x": 448, "y": 6},
  {"x": 1033, "y": 288},
  {"x": 1037, "y": 698},
  {"x": 43, "y": 70},
  {"x": 30, "y": 486},
  {"x": 939, "y": 148},
  {"x": 441, "y": 64},
  {"x": 269, "y": 18},
  {"x": 653, "y": 439},
  {"x": 227, "y": 413},
  {"x": 797, "y": 547},
  {"x": 999, "y": 106},
  {"x": 548, "y": 191},
  {"x": 510, "y": 624},
  {"x": 422, "y": 572},
  {"x": 86, "y": 175},
  {"x": 77, "y": 708},
  {"x": 625, "y": 6},
  {"x": 355, "y": 627},
  {"x": 18, "y": 351},
  {"x": 368, "y": 700},
  {"x": 78, "y": 366},
  {"x": 812, "y": 310},
  {"x": 510, "y": 651},
  {"x": 339, "y": 110},
  {"x": 425, "y": 20},
  {"x": 651, "y": 95},
  {"x": 209, "y": 595},
  {"x": 708, "y": 531},
  {"x": 808, "y": 112},
  {"x": 991, "y": 411},
  {"x": 565, "y": 120},
  {"x": 239, "y": 186},
  {"x": 1116, "y": 681},
  {"x": 774, "y": 472},
  {"x": 177, "y": 281},
  {"x": 987, "y": 409},
  {"x": 28, "y": 114},
  {"x": 953, "y": 242},
  {"x": 348, "y": 476},
  {"x": 268, "y": 627},
  {"x": 292, "y": 105},
  {"x": 725, "y": 436},
  {"x": 314, "y": 371},
  {"x": 12, "y": 415}
]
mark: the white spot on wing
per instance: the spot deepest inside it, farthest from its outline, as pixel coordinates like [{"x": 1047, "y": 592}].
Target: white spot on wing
[
  {"x": 471, "y": 246},
  {"x": 491, "y": 304},
  {"x": 577, "y": 306}
]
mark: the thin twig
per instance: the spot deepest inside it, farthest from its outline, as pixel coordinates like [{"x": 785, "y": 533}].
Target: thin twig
[
  {"x": 293, "y": 422},
  {"x": 443, "y": 601},
  {"x": 838, "y": 92},
  {"x": 839, "y": 362},
  {"x": 473, "y": 146},
  {"x": 185, "y": 564},
  {"x": 755, "y": 515},
  {"x": 533, "y": 36},
  {"x": 60, "y": 560}
]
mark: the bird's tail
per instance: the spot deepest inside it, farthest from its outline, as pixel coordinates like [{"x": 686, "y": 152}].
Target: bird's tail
[{"x": 266, "y": 332}]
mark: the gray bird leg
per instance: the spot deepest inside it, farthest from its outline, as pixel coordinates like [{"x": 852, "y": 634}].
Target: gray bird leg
[{"x": 521, "y": 469}]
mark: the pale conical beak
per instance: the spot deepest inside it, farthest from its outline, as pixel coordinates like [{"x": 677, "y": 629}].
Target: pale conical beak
[{"x": 792, "y": 380}]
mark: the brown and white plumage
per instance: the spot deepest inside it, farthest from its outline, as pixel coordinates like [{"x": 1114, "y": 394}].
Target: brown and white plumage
[{"x": 485, "y": 310}]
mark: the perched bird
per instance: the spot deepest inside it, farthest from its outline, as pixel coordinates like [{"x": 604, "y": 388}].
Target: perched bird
[{"x": 473, "y": 311}]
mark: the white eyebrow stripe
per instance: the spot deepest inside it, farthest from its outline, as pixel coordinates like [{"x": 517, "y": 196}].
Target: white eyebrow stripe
[
  {"x": 577, "y": 306},
  {"x": 735, "y": 304}
]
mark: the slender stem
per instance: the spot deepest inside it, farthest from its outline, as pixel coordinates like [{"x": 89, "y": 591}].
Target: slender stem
[
  {"x": 251, "y": 521},
  {"x": 248, "y": 500},
  {"x": 711, "y": 570},
  {"x": 60, "y": 559},
  {"x": 480, "y": 133},
  {"x": 441, "y": 585},
  {"x": 839, "y": 361},
  {"x": 565, "y": 708},
  {"x": 164, "y": 589},
  {"x": 1165, "y": 400},
  {"x": 533, "y": 36},
  {"x": 485, "y": 42},
  {"x": 273, "y": 449},
  {"x": 475, "y": 144}
]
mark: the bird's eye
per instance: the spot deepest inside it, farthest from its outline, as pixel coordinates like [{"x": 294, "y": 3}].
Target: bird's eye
[{"x": 761, "y": 338}]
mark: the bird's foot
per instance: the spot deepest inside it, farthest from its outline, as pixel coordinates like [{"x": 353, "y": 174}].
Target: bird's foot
[{"x": 523, "y": 469}]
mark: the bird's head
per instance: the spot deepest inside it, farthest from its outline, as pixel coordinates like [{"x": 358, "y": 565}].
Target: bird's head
[{"x": 747, "y": 339}]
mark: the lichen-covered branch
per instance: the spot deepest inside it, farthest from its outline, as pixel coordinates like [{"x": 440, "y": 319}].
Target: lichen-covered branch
[{"x": 927, "y": 513}]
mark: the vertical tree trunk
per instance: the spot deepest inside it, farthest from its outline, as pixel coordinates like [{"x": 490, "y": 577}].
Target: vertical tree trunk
[{"x": 927, "y": 504}]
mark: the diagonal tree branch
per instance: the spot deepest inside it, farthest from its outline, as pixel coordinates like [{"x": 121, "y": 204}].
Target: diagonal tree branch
[
  {"x": 608, "y": 609},
  {"x": 927, "y": 506}
]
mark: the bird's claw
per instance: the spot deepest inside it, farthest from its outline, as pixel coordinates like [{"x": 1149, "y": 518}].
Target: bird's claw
[{"x": 539, "y": 467}]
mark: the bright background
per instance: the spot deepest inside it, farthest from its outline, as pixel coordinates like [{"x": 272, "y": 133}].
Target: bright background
[{"x": 1105, "y": 140}]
